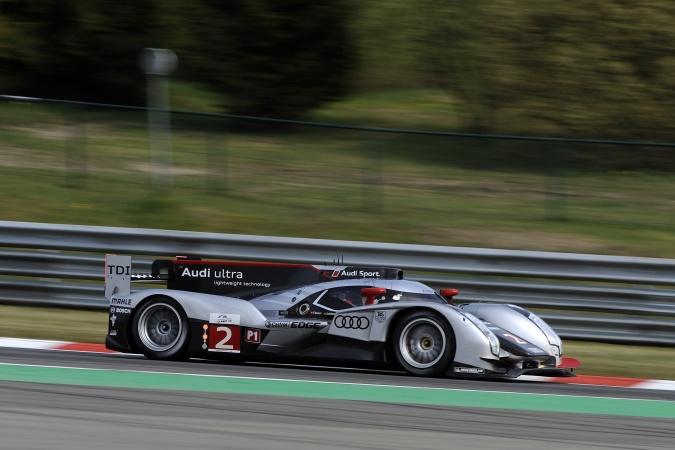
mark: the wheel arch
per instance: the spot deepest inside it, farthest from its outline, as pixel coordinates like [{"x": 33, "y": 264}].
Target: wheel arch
[
  {"x": 402, "y": 314},
  {"x": 133, "y": 344}
]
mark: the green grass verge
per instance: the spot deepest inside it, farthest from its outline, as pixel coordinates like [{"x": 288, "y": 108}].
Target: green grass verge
[
  {"x": 93, "y": 167},
  {"x": 91, "y": 326},
  {"x": 53, "y": 324},
  {"x": 283, "y": 186}
]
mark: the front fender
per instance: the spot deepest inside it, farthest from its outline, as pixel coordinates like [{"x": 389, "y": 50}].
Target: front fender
[{"x": 471, "y": 344}]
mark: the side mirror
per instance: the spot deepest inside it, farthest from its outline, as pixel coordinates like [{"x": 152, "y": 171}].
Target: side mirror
[
  {"x": 370, "y": 293},
  {"x": 448, "y": 293}
]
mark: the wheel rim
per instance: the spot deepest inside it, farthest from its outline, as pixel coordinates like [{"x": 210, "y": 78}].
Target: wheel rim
[
  {"x": 422, "y": 343},
  {"x": 160, "y": 327}
]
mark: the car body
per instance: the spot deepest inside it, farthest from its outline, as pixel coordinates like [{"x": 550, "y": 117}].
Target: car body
[{"x": 297, "y": 312}]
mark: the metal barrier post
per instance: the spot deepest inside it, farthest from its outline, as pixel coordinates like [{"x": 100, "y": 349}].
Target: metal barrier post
[{"x": 157, "y": 64}]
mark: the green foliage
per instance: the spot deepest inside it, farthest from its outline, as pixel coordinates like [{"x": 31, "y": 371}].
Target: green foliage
[
  {"x": 586, "y": 69},
  {"x": 597, "y": 69},
  {"x": 78, "y": 49},
  {"x": 385, "y": 31},
  {"x": 270, "y": 58},
  {"x": 260, "y": 57}
]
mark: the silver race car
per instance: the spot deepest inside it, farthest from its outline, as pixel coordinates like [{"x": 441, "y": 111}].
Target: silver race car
[{"x": 344, "y": 314}]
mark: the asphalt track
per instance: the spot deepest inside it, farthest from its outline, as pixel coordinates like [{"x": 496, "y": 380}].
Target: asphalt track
[{"x": 67, "y": 415}]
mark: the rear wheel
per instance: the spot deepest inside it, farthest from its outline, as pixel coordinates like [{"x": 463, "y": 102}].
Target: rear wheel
[
  {"x": 160, "y": 329},
  {"x": 424, "y": 344}
]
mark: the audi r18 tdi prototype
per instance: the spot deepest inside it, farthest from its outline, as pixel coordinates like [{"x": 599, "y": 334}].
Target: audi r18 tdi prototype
[{"x": 239, "y": 310}]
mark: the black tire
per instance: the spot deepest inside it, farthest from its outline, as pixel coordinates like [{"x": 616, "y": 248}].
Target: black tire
[
  {"x": 161, "y": 330},
  {"x": 423, "y": 344}
]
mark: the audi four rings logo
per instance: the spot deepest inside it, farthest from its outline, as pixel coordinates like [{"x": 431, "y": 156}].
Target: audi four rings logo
[{"x": 353, "y": 322}]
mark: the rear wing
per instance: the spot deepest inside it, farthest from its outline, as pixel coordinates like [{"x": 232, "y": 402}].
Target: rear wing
[
  {"x": 234, "y": 278},
  {"x": 117, "y": 275}
]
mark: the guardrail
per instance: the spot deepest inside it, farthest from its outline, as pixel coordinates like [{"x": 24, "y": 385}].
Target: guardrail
[{"x": 587, "y": 297}]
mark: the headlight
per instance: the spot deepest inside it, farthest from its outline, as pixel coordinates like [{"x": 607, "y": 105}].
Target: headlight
[
  {"x": 551, "y": 335},
  {"x": 494, "y": 342}
]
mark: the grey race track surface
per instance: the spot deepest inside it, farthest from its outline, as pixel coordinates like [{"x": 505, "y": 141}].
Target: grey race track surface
[{"x": 46, "y": 416}]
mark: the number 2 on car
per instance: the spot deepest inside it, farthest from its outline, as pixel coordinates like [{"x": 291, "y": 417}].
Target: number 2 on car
[{"x": 225, "y": 339}]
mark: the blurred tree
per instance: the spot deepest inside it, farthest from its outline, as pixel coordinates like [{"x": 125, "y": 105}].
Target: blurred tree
[
  {"x": 385, "y": 33},
  {"x": 78, "y": 49},
  {"x": 270, "y": 58},
  {"x": 598, "y": 68},
  {"x": 5, "y": 75}
]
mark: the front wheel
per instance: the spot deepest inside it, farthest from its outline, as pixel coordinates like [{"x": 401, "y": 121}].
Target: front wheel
[
  {"x": 424, "y": 344},
  {"x": 160, "y": 329}
]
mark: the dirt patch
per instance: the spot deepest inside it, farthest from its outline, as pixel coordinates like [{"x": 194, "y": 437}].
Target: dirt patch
[
  {"x": 174, "y": 170},
  {"x": 25, "y": 158},
  {"x": 62, "y": 132}
]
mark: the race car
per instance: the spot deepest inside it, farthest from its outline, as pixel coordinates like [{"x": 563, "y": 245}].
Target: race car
[{"x": 229, "y": 310}]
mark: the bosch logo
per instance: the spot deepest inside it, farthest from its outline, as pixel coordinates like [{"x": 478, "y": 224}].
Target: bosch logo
[{"x": 353, "y": 322}]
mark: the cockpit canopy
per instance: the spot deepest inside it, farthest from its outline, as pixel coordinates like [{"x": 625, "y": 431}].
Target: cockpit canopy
[{"x": 344, "y": 297}]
